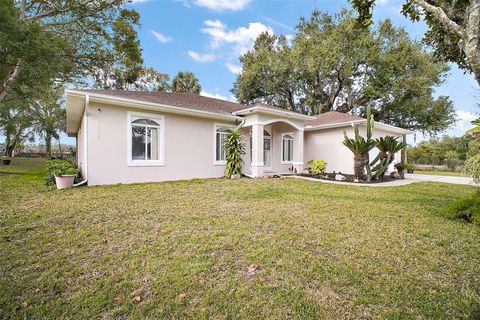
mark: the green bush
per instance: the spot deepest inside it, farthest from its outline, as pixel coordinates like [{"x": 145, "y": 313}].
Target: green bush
[
  {"x": 466, "y": 208},
  {"x": 472, "y": 167},
  {"x": 317, "y": 167},
  {"x": 58, "y": 167}
]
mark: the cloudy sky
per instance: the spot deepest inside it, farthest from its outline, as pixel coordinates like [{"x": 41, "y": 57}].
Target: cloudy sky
[{"x": 208, "y": 36}]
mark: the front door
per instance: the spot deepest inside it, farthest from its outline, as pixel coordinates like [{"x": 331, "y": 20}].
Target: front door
[{"x": 267, "y": 152}]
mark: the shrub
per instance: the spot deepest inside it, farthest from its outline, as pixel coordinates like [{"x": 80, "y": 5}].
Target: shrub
[
  {"x": 317, "y": 167},
  {"x": 58, "y": 167},
  {"x": 466, "y": 208},
  {"x": 472, "y": 167},
  {"x": 235, "y": 149}
]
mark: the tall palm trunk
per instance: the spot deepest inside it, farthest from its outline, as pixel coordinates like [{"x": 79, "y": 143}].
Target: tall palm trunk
[
  {"x": 60, "y": 148},
  {"x": 359, "y": 160},
  {"x": 48, "y": 145}
]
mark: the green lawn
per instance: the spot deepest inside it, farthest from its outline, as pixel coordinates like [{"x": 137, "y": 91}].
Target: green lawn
[
  {"x": 182, "y": 250},
  {"x": 442, "y": 173}
]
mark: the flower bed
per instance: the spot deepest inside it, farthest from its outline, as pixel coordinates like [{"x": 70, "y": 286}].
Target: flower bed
[{"x": 349, "y": 177}]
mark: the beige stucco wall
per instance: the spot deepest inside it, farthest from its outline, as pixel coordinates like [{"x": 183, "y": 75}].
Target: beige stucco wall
[
  {"x": 327, "y": 144},
  {"x": 189, "y": 143},
  {"x": 81, "y": 149}
]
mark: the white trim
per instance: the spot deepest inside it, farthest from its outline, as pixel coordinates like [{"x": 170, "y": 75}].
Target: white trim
[
  {"x": 267, "y": 122},
  {"x": 334, "y": 125},
  {"x": 267, "y": 110},
  {"x": 103, "y": 98},
  {"x": 281, "y": 148},
  {"x": 85, "y": 135},
  {"x": 216, "y": 126},
  {"x": 257, "y": 164},
  {"x": 297, "y": 163},
  {"x": 377, "y": 124},
  {"x": 161, "y": 141}
]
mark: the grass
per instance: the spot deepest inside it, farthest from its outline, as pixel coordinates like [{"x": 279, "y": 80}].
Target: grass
[
  {"x": 442, "y": 173},
  {"x": 182, "y": 250}
]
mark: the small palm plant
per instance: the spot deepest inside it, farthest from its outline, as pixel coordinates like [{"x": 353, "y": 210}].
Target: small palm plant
[
  {"x": 387, "y": 147},
  {"x": 360, "y": 147},
  {"x": 235, "y": 149}
]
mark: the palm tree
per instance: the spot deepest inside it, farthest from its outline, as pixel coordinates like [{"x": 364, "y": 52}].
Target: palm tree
[
  {"x": 387, "y": 147},
  {"x": 476, "y": 129},
  {"x": 360, "y": 148},
  {"x": 186, "y": 81}
]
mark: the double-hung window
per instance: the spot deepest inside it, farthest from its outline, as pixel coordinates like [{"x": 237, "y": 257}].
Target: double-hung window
[
  {"x": 146, "y": 140},
  {"x": 221, "y": 134},
  {"x": 287, "y": 148}
]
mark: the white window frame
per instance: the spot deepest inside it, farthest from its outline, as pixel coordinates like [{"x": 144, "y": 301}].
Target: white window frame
[
  {"x": 282, "y": 161},
  {"x": 215, "y": 128},
  {"x": 160, "y": 119}
]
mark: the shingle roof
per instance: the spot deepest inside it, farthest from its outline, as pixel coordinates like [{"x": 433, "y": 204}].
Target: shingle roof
[
  {"x": 177, "y": 99},
  {"x": 332, "y": 117}
]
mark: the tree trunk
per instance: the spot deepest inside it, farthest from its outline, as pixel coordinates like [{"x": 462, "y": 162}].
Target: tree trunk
[
  {"x": 472, "y": 41},
  {"x": 9, "y": 79},
  {"x": 9, "y": 150},
  {"x": 359, "y": 166},
  {"x": 7, "y": 143},
  {"x": 60, "y": 148},
  {"x": 48, "y": 145}
]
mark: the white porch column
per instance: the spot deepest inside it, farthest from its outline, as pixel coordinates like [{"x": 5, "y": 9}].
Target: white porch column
[
  {"x": 257, "y": 150},
  {"x": 298, "y": 151}
]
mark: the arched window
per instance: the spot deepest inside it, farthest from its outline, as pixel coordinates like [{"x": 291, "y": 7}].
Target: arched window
[
  {"x": 287, "y": 148},
  {"x": 146, "y": 140}
]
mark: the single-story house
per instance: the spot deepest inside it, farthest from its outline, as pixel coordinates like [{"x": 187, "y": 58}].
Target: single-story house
[{"x": 126, "y": 136}]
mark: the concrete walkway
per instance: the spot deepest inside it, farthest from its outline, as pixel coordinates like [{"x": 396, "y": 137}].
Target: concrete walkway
[{"x": 409, "y": 178}]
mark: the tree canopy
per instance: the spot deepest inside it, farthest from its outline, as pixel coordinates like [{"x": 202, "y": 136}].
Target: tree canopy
[
  {"x": 331, "y": 64},
  {"x": 52, "y": 41},
  {"x": 453, "y": 28}
]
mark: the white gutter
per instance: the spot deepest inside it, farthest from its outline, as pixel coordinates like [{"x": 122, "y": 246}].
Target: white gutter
[
  {"x": 140, "y": 104},
  {"x": 378, "y": 125},
  {"x": 85, "y": 141},
  {"x": 334, "y": 125},
  {"x": 274, "y": 112}
]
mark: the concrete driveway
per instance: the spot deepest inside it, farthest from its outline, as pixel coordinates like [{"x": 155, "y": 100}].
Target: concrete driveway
[{"x": 444, "y": 179}]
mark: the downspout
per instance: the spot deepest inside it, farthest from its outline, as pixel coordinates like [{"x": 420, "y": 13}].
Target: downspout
[
  {"x": 85, "y": 142},
  {"x": 241, "y": 124}
]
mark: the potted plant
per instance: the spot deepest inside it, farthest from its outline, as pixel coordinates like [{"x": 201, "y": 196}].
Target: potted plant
[
  {"x": 410, "y": 168},
  {"x": 63, "y": 172},
  {"x": 400, "y": 169}
]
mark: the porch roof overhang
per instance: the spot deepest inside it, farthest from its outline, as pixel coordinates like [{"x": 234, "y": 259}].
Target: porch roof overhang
[
  {"x": 380, "y": 125},
  {"x": 273, "y": 112}
]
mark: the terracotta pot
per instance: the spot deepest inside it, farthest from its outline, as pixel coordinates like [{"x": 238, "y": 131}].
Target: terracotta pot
[{"x": 65, "y": 181}]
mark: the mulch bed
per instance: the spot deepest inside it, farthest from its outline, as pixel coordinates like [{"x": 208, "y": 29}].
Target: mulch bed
[{"x": 350, "y": 177}]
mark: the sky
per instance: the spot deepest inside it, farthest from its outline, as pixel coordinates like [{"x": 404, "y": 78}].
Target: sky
[{"x": 208, "y": 36}]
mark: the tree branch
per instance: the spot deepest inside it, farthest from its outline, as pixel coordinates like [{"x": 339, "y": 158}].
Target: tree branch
[{"x": 442, "y": 17}]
